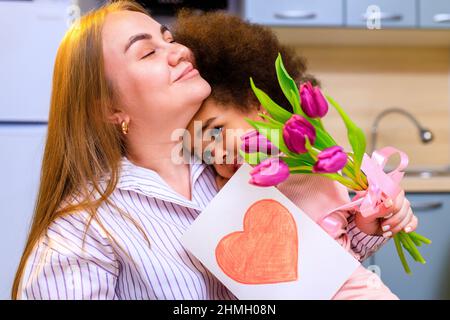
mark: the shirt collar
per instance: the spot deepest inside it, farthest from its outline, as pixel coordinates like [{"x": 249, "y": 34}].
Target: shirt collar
[{"x": 149, "y": 183}]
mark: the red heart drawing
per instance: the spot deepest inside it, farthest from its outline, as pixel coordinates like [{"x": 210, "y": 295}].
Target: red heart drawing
[{"x": 266, "y": 251}]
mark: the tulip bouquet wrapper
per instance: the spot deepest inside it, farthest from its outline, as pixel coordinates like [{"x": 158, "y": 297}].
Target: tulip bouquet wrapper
[{"x": 297, "y": 142}]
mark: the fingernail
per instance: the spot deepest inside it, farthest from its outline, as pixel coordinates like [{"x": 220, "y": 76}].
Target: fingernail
[
  {"x": 408, "y": 229},
  {"x": 386, "y": 227},
  {"x": 389, "y": 215},
  {"x": 387, "y": 234},
  {"x": 388, "y": 203}
]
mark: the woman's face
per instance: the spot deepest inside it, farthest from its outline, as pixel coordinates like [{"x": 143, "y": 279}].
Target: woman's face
[
  {"x": 219, "y": 128},
  {"x": 153, "y": 77}
]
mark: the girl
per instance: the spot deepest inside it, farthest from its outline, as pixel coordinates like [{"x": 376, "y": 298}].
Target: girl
[{"x": 228, "y": 51}]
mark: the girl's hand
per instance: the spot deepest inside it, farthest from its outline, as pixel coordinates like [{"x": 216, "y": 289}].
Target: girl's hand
[{"x": 392, "y": 217}]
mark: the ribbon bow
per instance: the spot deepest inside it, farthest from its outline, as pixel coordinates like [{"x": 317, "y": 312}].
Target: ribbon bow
[{"x": 381, "y": 185}]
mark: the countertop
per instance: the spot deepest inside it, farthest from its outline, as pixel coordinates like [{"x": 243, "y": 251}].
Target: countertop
[{"x": 434, "y": 184}]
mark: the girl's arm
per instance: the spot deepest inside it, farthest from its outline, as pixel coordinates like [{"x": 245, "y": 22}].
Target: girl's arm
[
  {"x": 362, "y": 244},
  {"x": 316, "y": 196}
]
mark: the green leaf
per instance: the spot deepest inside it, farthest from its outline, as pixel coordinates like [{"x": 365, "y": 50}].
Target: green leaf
[
  {"x": 270, "y": 120},
  {"x": 288, "y": 85},
  {"x": 355, "y": 135},
  {"x": 323, "y": 139},
  {"x": 253, "y": 158},
  {"x": 277, "y": 112},
  {"x": 304, "y": 159}
]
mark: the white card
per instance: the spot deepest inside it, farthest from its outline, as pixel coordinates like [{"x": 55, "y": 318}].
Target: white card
[{"x": 280, "y": 254}]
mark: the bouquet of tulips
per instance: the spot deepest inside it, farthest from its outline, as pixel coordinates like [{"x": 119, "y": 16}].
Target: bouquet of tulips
[{"x": 298, "y": 143}]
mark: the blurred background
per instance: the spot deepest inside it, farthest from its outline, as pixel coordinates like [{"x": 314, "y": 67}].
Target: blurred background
[{"x": 386, "y": 61}]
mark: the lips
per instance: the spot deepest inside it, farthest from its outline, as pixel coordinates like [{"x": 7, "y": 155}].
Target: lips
[
  {"x": 237, "y": 163},
  {"x": 188, "y": 70}
]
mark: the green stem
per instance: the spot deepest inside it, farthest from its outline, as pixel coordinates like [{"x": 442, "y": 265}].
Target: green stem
[
  {"x": 420, "y": 237},
  {"x": 348, "y": 183},
  {"x": 314, "y": 152},
  {"x": 320, "y": 125},
  {"x": 360, "y": 178},
  {"x": 408, "y": 248},
  {"x": 300, "y": 168},
  {"x": 349, "y": 173},
  {"x": 401, "y": 255},
  {"x": 416, "y": 241},
  {"x": 414, "y": 252}
]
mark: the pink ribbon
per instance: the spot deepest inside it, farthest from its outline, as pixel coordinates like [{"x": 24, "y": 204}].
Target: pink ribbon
[{"x": 381, "y": 185}]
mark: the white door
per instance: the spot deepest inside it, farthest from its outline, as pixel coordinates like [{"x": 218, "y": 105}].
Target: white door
[
  {"x": 30, "y": 33},
  {"x": 21, "y": 149}
]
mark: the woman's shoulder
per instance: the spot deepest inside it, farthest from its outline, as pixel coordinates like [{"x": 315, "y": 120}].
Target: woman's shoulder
[
  {"x": 71, "y": 248},
  {"x": 78, "y": 235}
]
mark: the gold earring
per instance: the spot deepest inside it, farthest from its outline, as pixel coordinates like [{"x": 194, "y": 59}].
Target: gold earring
[{"x": 124, "y": 126}]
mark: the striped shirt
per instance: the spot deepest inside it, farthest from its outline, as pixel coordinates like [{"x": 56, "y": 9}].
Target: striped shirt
[
  {"x": 72, "y": 261},
  {"x": 61, "y": 267}
]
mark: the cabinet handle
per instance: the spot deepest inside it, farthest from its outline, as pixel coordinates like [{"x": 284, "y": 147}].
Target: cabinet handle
[
  {"x": 295, "y": 14},
  {"x": 426, "y": 206},
  {"x": 383, "y": 16},
  {"x": 441, "y": 17}
]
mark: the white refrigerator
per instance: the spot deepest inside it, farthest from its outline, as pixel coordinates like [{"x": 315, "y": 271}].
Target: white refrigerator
[{"x": 30, "y": 32}]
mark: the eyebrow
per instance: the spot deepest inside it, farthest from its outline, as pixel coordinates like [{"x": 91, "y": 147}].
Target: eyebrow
[
  {"x": 143, "y": 36},
  {"x": 206, "y": 124}
]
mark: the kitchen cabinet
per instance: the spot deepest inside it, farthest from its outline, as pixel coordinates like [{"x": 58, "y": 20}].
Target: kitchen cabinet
[
  {"x": 432, "y": 280},
  {"x": 295, "y": 12},
  {"x": 435, "y": 14},
  {"x": 417, "y": 14},
  {"x": 392, "y": 14}
]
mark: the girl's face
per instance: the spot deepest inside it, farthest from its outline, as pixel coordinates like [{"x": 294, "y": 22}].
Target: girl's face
[
  {"x": 219, "y": 128},
  {"x": 153, "y": 77}
]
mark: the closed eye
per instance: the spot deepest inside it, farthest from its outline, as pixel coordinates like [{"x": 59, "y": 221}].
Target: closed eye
[
  {"x": 152, "y": 52},
  {"x": 148, "y": 54}
]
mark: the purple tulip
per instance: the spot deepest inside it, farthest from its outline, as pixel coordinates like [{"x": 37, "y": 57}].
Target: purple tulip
[
  {"x": 330, "y": 160},
  {"x": 294, "y": 132},
  {"x": 269, "y": 172},
  {"x": 314, "y": 103},
  {"x": 256, "y": 142}
]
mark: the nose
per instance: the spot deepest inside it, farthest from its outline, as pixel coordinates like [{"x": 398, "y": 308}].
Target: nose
[
  {"x": 219, "y": 155},
  {"x": 178, "y": 53}
]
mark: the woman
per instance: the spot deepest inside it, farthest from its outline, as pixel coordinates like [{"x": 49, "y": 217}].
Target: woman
[{"x": 112, "y": 205}]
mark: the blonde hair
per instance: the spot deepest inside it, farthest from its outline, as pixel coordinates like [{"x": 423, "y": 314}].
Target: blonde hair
[{"x": 82, "y": 146}]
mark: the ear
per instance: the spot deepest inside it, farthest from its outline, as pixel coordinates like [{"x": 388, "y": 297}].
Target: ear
[
  {"x": 259, "y": 109},
  {"x": 118, "y": 116}
]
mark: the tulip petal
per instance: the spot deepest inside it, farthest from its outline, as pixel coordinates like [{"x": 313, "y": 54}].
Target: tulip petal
[
  {"x": 269, "y": 172},
  {"x": 330, "y": 160}
]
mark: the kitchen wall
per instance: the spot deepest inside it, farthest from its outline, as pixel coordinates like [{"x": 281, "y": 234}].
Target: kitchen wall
[{"x": 366, "y": 80}]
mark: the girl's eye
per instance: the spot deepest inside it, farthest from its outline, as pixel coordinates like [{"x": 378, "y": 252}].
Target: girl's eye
[
  {"x": 148, "y": 54},
  {"x": 217, "y": 132}
]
